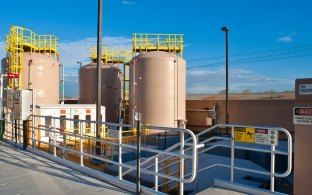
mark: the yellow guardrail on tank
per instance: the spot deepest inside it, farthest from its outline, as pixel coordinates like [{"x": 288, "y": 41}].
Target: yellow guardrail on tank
[
  {"x": 21, "y": 40},
  {"x": 111, "y": 55},
  {"x": 144, "y": 42}
]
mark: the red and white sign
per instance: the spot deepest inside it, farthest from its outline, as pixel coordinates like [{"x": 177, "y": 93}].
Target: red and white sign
[
  {"x": 12, "y": 75},
  {"x": 303, "y": 115}
]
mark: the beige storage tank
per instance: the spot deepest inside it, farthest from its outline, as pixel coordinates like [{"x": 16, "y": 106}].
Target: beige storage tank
[
  {"x": 40, "y": 72},
  {"x": 111, "y": 88},
  {"x": 157, "y": 89}
]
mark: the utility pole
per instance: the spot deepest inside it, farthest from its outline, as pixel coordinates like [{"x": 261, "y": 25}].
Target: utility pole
[
  {"x": 226, "y": 30},
  {"x": 99, "y": 77}
]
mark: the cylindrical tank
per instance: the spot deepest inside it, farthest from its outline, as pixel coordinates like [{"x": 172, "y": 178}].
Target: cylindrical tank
[
  {"x": 157, "y": 89},
  {"x": 40, "y": 72},
  {"x": 111, "y": 88}
]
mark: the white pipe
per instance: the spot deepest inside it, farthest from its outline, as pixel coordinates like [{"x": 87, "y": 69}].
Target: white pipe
[
  {"x": 54, "y": 138},
  {"x": 232, "y": 154},
  {"x": 181, "y": 191},
  {"x": 272, "y": 168},
  {"x": 81, "y": 145},
  {"x": 120, "y": 151},
  {"x": 156, "y": 176}
]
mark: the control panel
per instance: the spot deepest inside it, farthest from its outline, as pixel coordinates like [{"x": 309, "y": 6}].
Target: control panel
[{"x": 21, "y": 106}]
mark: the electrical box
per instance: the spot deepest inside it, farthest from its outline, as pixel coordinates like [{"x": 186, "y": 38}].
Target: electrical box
[
  {"x": 21, "y": 106},
  {"x": 10, "y": 99}
]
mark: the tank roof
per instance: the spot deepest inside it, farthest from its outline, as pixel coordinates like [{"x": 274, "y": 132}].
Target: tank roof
[{"x": 146, "y": 42}]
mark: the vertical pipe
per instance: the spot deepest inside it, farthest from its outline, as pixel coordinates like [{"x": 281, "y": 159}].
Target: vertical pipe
[
  {"x": 54, "y": 138},
  {"x": 272, "y": 180},
  {"x": 227, "y": 77},
  {"x": 177, "y": 97},
  {"x": 134, "y": 103},
  {"x": 99, "y": 77},
  {"x": 138, "y": 174},
  {"x": 181, "y": 163},
  {"x": 124, "y": 92},
  {"x": 174, "y": 93},
  {"x": 25, "y": 138},
  {"x": 81, "y": 144},
  {"x": 226, "y": 30},
  {"x": 156, "y": 176},
  {"x": 33, "y": 134},
  {"x": 15, "y": 128},
  {"x": 232, "y": 154},
  {"x": 1, "y": 92},
  {"x": 63, "y": 83},
  {"x": 120, "y": 150}
]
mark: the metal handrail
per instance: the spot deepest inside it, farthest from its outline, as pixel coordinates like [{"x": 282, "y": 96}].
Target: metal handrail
[
  {"x": 157, "y": 42},
  {"x": 272, "y": 173},
  {"x": 54, "y": 131},
  {"x": 112, "y": 55}
]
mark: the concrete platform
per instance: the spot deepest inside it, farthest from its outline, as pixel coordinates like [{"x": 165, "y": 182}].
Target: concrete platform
[{"x": 24, "y": 173}]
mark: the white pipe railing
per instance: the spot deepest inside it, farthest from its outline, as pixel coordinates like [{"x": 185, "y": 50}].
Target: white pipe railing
[
  {"x": 232, "y": 146},
  {"x": 55, "y": 145}
]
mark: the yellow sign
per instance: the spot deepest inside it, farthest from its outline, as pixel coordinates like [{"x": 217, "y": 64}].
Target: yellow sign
[
  {"x": 250, "y": 135},
  {"x": 242, "y": 134},
  {"x": 239, "y": 134}
]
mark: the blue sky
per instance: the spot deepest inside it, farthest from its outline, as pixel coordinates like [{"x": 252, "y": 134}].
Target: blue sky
[{"x": 270, "y": 42}]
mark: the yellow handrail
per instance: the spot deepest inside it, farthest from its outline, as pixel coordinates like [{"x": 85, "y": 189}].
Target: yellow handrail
[
  {"x": 111, "y": 55},
  {"x": 21, "y": 40},
  {"x": 144, "y": 42}
]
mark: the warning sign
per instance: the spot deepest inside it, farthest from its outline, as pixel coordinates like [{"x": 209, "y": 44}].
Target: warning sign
[
  {"x": 258, "y": 136},
  {"x": 240, "y": 134},
  {"x": 266, "y": 136},
  {"x": 303, "y": 116},
  {"x": 250, "y": 135},
  {"x": 261, "y": 136}
]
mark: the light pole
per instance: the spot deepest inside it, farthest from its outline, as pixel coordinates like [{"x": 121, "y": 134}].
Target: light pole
[
  {"x": 99, "y": 77},
  {"x": 226, "y": 30},
  {"x": 80, "y": 63}
]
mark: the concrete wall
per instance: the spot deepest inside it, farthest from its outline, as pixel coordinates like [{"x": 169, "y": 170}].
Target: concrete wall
[
  {"x": 303, "y": 145},
  {"x": 247, "y": 112}
]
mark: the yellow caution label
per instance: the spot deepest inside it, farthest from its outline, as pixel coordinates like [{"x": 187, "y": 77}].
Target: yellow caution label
[
  {"x": 240, "y": 134},
  {"x": 250, "y": 135}
]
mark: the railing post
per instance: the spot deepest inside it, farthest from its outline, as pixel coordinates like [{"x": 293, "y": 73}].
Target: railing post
[
  {"x": 25, "y": 137},
  {"x": 272, "y": 167},
  {"x": 138, "y": 173},
  {"x": 120, "y": 150},
  {"x": 181, "y": 163},
  {"x": 232, "y": 154},
  {"x": 156, "y": 176},
  {"x": 54, "y": 138},
  {"x": 15, "y": 130},
  {"x": 81, "y": 144}
]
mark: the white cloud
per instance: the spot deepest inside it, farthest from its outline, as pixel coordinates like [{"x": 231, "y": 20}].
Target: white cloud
[
  {"x": 213, "y": 81},
  {"x": 2, "y": 49},
  {"x": 73, "y": 51},
  {"x": 128, "y": 2},
  {"x": 285, "y": 39}
]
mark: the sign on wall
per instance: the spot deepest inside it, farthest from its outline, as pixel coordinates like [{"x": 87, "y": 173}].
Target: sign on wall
[
  {"x": 305, "y": 89},
  {"x": 303, "y": 115}
]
